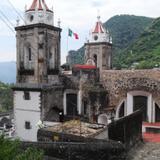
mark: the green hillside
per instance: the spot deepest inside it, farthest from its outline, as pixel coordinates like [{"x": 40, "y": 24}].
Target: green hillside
[
  {"x": 6, "y": 97},
  {"x": 76, "y": 57},
  {"x": 144, "y": 52},
  {"x": 125, "y": 29}
]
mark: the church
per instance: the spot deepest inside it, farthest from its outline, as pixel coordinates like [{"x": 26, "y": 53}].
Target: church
[{"x": 94, "y": 92}]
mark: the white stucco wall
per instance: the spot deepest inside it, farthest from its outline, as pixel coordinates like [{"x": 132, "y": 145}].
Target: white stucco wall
[{"x": 26, "y": 110}]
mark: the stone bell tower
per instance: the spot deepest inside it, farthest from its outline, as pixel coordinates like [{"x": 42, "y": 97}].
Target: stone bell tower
[
  {"x": 38, "y": 46},
  {"x": 38, "y": 64},
  {"x": 98, "y": 49}
]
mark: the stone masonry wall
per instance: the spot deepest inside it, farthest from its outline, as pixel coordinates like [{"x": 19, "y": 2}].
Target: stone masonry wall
[{"x": 119, "y": 82}]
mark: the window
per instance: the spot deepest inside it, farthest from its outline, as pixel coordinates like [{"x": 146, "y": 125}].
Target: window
[
  {"x": 30, "y": 53},
  {"x": 27, "y": 95},
  {"x": 95, "y": 59},
  {"x": 27, "y": 125}
]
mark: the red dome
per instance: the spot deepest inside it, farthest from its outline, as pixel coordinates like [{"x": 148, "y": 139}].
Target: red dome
[{"x": 40, "y": 5}]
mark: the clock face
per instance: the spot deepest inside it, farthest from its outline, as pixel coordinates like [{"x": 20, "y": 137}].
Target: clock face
[{"x": 95, "y": 37}]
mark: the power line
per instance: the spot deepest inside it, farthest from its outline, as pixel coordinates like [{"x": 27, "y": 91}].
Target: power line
[
  {"x": 16, "y": 10},
  {"x": 7, "y": 18},
  {"x": 7, "y": 24}
]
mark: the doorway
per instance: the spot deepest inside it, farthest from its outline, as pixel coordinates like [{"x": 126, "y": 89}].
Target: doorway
[
  {"x": 157, "y": 113},
  {"x": 72, "y": 105},
  {"x": 140, "y": 102},
  {"x": 121, "y": 110}
]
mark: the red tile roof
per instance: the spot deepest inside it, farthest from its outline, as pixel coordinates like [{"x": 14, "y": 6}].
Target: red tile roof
[
  {"x": 84, "y": 66},
  {"x": 39, "y": 4},
  {"x": 98, "y": 28}
]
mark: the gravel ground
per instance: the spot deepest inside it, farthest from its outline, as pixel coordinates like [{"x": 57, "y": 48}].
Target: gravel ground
[{"x": 145, "y": 151}]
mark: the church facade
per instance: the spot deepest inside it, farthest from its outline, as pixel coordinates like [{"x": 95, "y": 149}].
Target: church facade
[{"x": 94, "y": 92}]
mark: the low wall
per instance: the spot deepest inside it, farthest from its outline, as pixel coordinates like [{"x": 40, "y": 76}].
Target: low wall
[
  {"x": 127, "y": 130},
  {"x": 101, "y": 150}
]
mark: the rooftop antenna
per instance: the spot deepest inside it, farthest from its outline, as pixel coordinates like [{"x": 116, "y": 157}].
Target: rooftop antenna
[{"x": 98, "y": 15}]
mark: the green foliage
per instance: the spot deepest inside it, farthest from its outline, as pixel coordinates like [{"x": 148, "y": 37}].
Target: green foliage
[
  {"x": 77, "y": 57},
  {"x": 10, "y": 150},
  {"x": 145, "y": 51},
  {"x": 6, "y": 97},
  {"x": 30, "y": 154},
  {"x": 125, "y": 29}
]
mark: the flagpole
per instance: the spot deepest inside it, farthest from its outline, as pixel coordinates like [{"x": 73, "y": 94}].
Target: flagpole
[{"x": 67, "y": 40}]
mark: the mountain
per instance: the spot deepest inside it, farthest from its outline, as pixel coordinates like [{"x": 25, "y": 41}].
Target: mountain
[
  {"x": 8, "y": 72},
  {"x": 145, "y": 51},
  {"x": 125, "y": 29},
  {"x": 76, "y": 57}
]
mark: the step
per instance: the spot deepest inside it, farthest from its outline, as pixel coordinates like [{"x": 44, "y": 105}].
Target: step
[
  {"x": 152, "y": 130},
  {"x": 151, "y": 137}
]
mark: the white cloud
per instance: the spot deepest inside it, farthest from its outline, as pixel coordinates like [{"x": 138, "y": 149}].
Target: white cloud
[{"x": 80, "y": 15}]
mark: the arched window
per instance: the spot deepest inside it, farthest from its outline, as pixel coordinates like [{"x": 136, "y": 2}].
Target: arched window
[
  {"x": 121, "y": 110},
  {"x": 157, "y": 113},
  {"x": 29, "y": 53},
  {"x": 51, "y": 57},
  {"x": 95, "y": 59}
]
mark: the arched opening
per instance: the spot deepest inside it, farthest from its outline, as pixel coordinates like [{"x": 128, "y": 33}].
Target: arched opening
[
  {"x": 140, "y": 102},
  {"x": 28, "y": 58},
  {"x": 95, "y": 59},
  {"x": 51, "y": 58},
  {"x": 29, "y": 53},
  {"x": 121, "y": 110},
  {"x": 157, "y": 113}
]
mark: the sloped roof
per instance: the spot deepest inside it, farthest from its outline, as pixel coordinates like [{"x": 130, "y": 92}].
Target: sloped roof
[
  {"x": 99, "y": 28},
  {"x": 40, "y": 5},
  {"x": 79, "y": 66}
]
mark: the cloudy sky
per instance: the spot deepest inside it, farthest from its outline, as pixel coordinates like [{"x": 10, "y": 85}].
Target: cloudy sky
[{"x": 79, "y": 15}]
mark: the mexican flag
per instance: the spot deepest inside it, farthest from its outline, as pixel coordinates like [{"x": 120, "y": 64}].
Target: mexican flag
[{"x": 71, "y": 33}]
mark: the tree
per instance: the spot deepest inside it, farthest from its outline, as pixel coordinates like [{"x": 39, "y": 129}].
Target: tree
[{"x": 10, "y": 150}]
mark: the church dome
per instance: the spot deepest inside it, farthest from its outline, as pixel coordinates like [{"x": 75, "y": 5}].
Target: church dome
[
  {"x": 99, "y": 33},
  {"x": 39, "y": 12}
]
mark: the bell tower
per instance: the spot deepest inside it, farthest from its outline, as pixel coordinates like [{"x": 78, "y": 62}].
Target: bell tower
[
  {"x": 98, "y": 49},
  {"x": 38, "y": 46},
  {"x": 38, "y": 65}
]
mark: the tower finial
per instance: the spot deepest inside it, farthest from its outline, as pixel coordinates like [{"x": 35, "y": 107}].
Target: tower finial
[
  {"x": 98, "y": 15},
  {"x": 59, "y": 22},
  {"x": 17, "y": 21}
]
